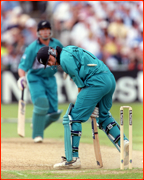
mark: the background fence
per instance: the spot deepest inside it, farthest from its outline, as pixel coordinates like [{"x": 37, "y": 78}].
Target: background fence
[{"x": 129, "y": 87}]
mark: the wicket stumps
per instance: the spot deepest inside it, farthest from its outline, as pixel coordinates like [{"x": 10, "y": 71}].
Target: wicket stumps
[{"x": 122, "y": 135}]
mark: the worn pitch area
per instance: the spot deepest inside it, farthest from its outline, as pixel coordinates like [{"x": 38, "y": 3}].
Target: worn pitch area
[{"x": 24, "y": 154}]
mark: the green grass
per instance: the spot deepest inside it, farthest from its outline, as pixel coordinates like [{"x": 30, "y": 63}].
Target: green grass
[
  {"x": 75, "y": 174},
  {"x": 10, "y": 110},
  {"x": 9, "y": 130}
]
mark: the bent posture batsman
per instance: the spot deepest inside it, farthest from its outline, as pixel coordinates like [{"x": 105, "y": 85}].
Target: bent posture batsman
[{"x": 97, "y": 85}]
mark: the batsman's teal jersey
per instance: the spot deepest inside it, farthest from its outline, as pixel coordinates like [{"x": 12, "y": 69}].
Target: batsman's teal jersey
[
  {"x": 97, "y": 82},
  {"x": 97, "y": 85},
  {"x": 75, "y": 62}
]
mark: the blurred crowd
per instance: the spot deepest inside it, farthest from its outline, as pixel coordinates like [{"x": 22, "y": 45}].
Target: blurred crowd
[{"x": 111, "y": 30}]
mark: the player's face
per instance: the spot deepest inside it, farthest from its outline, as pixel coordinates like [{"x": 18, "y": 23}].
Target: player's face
[
  {"x": 51, "y": 61},
  {"x": 44, "y": 33}
]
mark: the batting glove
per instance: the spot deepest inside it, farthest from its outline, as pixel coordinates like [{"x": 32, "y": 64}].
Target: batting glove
[
  {"x": 65, "y": 75},
  {"x": 22, "y": 83},
  {"x": 95, "y": 112}
]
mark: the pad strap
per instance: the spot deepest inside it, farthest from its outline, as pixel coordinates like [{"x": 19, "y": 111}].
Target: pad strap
[
  {"x": 74, "y": 149},
  {"x": 75, "y": 121},
  {"x": 110, "y": 126},
  {"x": 76, "y": 133},
  {"x": 117, "y": 139}
]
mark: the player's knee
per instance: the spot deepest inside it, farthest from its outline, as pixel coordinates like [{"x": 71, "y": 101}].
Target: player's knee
[
  {"x": 109, "y": 125},
  {"x": 67, "y": 117},
  {"x": 76, "y": 126},
  {"x": 55, "y": 116},
  {"x": 41, "y": 105}
]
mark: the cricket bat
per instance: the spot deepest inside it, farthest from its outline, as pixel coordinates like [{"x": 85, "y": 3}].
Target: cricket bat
[
  {"x": 21, "y": 116},
  {"x": 96, "y": 142}
]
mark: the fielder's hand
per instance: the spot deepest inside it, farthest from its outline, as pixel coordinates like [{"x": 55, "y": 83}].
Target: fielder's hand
[
  {"x": 22, "y": 83},
  {"x": 95, "y": 112},
  {"x": 65, "y": 75}
]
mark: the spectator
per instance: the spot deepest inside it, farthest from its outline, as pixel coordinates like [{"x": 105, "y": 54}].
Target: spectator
[
  {"x": 90, "y": 43},
  {"x": 117, "y": 28},
  {"x": 88, "y": 24},
  {"x": 136, "y": 58},
  {"x": 80, "y": 30},
  {"x": 30, "y": 31}
]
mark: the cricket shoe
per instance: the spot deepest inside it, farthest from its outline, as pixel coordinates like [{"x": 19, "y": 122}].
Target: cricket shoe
[
  {"x": 64, "y": 164},
  {"x": 38, "y": 139},
  {"x": 126, "y": 152}
]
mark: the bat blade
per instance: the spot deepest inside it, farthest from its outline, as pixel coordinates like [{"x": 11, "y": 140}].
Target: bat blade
[
  {"x": 96, "y": 143},
  {"x": 21, "y": 118}
]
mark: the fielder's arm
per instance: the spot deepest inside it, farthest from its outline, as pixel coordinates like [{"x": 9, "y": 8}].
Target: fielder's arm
[{"x": 21, "y": 72}]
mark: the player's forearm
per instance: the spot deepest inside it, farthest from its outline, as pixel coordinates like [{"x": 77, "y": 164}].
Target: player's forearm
[
  {"x": 79, "y": 89},
  {"x": 21, "y": 72}
]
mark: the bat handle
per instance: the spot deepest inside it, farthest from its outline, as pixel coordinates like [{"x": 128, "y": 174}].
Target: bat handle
[{"x": 22, "y": 95}]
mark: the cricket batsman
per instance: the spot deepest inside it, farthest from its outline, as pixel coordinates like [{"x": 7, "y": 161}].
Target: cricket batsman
[
  {"x": 96, "y": 85},
  {"x": 41, "y": 82}
]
